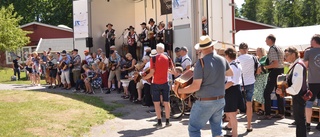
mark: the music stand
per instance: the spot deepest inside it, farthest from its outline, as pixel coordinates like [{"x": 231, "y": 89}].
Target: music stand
[{"x": 123, "y": 44}]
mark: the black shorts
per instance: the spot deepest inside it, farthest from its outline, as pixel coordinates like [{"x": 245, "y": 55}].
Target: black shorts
[
  {"x": 29, "y": 69},
  {"x": 232, "y": 98},
  {"x": 160, "y": 89},
  {"x": 315, "y": 89},
  {"x": 53, "y": 73}
]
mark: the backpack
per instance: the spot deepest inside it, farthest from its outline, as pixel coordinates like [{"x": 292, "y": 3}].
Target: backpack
[{"x": 256, "y": 64}]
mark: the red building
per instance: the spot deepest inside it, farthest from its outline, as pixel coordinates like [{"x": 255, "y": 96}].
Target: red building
[
  {"x": 244, "y": 24},
  {"x": 39, "y": 30}
]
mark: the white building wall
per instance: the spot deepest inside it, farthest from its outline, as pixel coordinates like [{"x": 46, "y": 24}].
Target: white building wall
[{"x": 120, "y": 13}]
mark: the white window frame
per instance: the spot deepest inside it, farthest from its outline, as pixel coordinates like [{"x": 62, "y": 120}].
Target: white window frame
[{"x": 23, "y": 53}]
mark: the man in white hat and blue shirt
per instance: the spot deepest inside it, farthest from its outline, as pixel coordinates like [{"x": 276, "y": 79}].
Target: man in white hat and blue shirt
[{"x": 208, "y": 83}]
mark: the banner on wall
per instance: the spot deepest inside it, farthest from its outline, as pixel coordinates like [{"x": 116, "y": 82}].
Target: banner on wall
[
  {"x": 166, "y": 7},
  {"x": 80, "y": 19},
  {"x": 180, "y": 8}
]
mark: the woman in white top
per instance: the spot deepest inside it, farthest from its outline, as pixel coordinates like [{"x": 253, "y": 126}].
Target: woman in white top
[{"x": 233, "y": 92}]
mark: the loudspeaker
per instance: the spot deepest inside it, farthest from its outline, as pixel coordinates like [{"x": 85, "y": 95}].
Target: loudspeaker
[
  {"x": 168, "y": 34},
  {"x": 89, "y": 42}
]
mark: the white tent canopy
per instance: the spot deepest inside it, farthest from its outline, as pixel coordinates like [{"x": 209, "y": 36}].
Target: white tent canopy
[{"x": 299, "y": 37}]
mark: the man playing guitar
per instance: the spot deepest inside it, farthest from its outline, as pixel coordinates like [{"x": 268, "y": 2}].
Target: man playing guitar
[
  {"x": 110, "y": 35},
  {"x": 152, "y": 34},
  {"x": 143, "y": 37},
  {"x": 132, "y": 42}
]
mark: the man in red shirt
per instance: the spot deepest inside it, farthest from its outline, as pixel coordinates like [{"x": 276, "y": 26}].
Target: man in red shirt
[{"x": 159, "y": 66}]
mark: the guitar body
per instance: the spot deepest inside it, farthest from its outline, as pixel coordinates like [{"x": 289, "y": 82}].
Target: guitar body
[
  {"x": 146, "y": 72},
  {"x": 184, "y": 80},
  {"x": 112, "y": 66},
  {"x": 130, "y": 41},
  {"x": 282, "y": 84}
]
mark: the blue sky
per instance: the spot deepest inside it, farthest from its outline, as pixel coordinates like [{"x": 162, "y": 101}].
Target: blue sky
[{"x": 239, "y": 3}]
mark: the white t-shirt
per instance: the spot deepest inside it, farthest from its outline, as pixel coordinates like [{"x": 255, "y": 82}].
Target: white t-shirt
[
  {"x": 185, "y": 61},
  {"x": 236, "y": 78},
  {"x": 145, "y": 67},
  {"x": 247, "y": 64}
]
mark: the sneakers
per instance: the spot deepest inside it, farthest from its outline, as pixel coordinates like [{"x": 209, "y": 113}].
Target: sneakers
[
  {"x": 168, "y": 124},
  {"x": 75, "y": 91},
  {"x": 158, "y": 125},
  {"x": 318, "y": 127},
  {"x": 152, "y": 111},
  {"x": 108, "y": 91},
  {"x": 309, "y": 127}
]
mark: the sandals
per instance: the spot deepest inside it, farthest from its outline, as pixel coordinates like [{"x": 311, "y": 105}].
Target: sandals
[
  {"x": 278, "y": 116},
  {"x": 260, "y": 112},
  {"x": 227, "y": 128},
  {"x": 249, "y": 129},
  {"x": 265, "y": 117}
]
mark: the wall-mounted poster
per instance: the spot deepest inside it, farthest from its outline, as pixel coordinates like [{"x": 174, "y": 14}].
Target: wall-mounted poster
[
  {"x": 80, "y": 19},
  {"x": 166, "y": 7},
  {"x": 180, "y": 8}
]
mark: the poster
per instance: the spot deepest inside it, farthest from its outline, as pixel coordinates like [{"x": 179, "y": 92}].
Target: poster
[
  {"x": 80, "y": 19},
  {"x": 166, "y": 7},
  {"x": 180, "y": 8}
]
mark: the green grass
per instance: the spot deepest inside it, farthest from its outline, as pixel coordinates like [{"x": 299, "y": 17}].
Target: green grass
[
  {"x": 32, "y": 113},
  {"x": 6, "y": 73}
]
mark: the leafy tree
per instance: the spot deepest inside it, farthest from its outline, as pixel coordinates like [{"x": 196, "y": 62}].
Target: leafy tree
[
  {"x": 12, "y": 37},
  {"x": 54, "y": 12},
  {"x": 265, "y": 12},
  {"x": 236, "y": 12},
  {"x": 310, "y": 12},
  {"x": 249, "y": 9}
]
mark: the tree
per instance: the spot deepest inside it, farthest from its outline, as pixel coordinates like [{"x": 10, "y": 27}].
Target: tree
[
  {"x": 249, "y": 9},
  {"x": 12, "y": 37},
  {"x": 236, "y": 12},
  {"x": 310, "y": 12},
  {"x": 53, "y": 12},
  {"x": 265, "y": 12}
]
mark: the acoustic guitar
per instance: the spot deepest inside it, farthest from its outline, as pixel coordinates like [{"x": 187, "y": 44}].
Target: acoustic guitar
[
  {"x": 184, "y": 80},
  {"x": 146, "y": 72},
  {"x": 282, "y": 84}
]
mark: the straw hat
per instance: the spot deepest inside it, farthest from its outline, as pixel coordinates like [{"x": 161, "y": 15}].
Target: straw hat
[
  {"x": 205, "y": 42},
  {"x": 153, "y": 53}
]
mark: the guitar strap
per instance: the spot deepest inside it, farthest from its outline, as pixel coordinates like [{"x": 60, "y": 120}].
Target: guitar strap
[{"x": 202, "y": 65}]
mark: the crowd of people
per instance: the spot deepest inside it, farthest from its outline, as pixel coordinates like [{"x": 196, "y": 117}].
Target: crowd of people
[
  {"x": 219, "y": 81},
  {"x": 227, "y": 85}
]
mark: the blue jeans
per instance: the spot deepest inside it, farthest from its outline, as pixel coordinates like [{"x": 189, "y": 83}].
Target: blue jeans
[
  {"x": 249, "y": 92},
  {"x": 204, "y": 111}
]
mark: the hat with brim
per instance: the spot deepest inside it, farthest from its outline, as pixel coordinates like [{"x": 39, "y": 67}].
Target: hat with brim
[
  {"x": 109, "y": 24},
  {"x": 143, "y": 23},
  {"x": 63, "y": 53},
  {"x": 151, "y": 20},
  {"x": 131, "y": 27},
  {"x": 153, "y": 53},
  {"x": 205, "y": 42}
]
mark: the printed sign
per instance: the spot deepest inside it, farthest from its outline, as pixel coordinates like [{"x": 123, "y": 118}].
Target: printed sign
[
  {"x": 166, "y": 7},
  {"x": 180, "y": 8}
]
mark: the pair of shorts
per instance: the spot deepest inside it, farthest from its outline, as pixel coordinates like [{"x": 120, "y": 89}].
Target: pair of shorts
[
  {"x": 53, "y": 73},
  {"x": 29, "y": 70},
  {"x": 232, "y": 97},
  {"x": 315, "y": 89},
  {"x": 249, "y": 89},
  {"x": 160, "y": 89}
]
